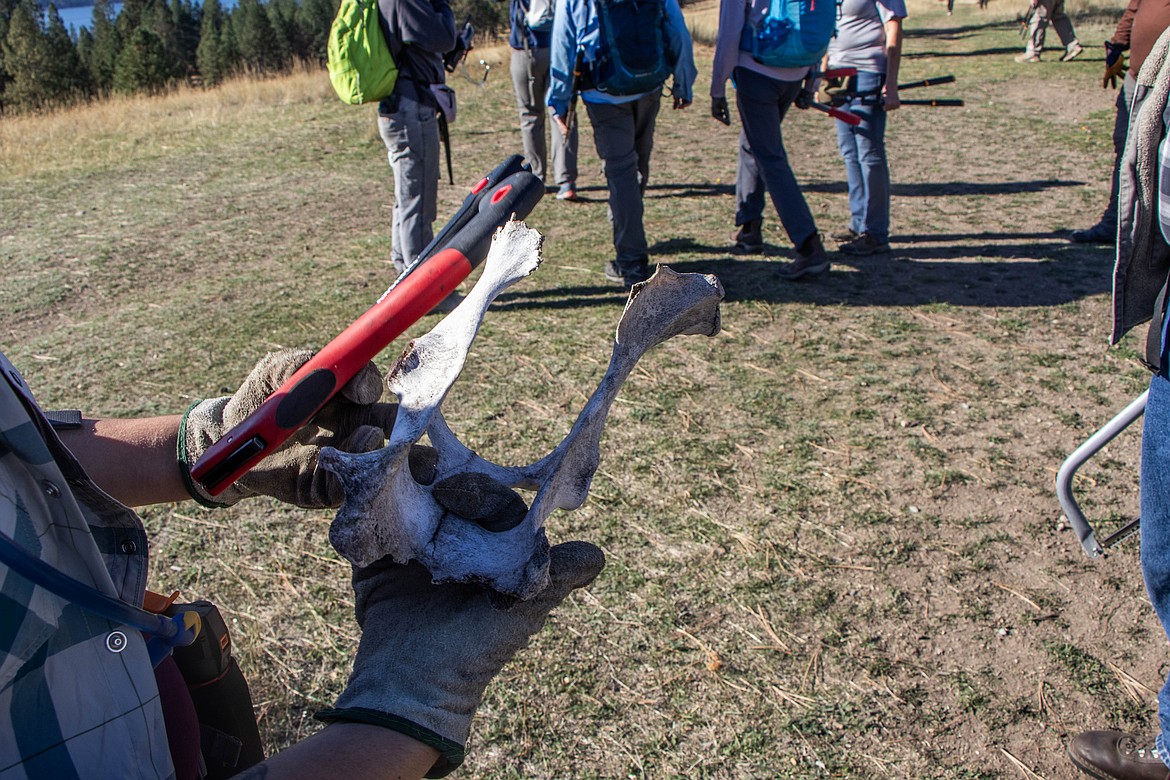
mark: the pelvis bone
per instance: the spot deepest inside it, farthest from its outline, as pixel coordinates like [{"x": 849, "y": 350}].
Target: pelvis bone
[{"x": 386, "y": 512}]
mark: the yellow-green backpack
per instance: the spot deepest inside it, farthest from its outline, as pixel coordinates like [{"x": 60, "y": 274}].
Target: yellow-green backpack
[{"x": 361, "y": 67}]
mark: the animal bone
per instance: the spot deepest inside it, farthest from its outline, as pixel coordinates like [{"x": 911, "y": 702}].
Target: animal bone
[{"x": 386, "y": 512}]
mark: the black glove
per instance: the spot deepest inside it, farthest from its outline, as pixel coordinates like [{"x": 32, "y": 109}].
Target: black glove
[
  {"x": 464, "y": 42},
  {"x": 720, "y": 111},
  {"x": 1114, "y": 64}
]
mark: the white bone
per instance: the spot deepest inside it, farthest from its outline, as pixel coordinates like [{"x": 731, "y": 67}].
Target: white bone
[{"x": 387, "y": 513}]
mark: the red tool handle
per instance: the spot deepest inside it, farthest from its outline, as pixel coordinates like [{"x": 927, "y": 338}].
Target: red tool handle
[
  {"x": 836, "y": 113},
  {"x": 296, "y": 401}
]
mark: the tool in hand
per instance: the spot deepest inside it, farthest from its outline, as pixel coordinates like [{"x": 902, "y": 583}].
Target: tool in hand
[
  {"x": 804, "y": 101},
  {"x": 509, "y": 191},
  {"x": 842, "y": 96}
]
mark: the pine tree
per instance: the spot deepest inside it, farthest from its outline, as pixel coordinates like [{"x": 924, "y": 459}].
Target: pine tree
[
  {"x": 144, "y": 64},
  {"x": 209, "y": 59},
  {"x": 107, "y": 45},
  {"x": 27, "y": 58},
  {"x": 255, "y": 37},
  {"x": 314, "y": 18},
  {"x": 68, "y": 78},
  {"x": 281, "y": 15},
  {"x": 229, "y": 50},
  {"x": 185, "y": 20}
]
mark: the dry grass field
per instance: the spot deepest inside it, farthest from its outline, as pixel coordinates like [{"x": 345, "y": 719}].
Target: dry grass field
[{"x": 834, "y": 549}]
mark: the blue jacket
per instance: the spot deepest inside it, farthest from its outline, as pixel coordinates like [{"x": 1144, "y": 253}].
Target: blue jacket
[{"x": 576, "y": 26}]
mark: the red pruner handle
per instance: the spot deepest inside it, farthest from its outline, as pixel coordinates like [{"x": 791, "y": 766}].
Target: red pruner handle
[
  {"x": 295, "y": 402},
  {"x": 838, "y": 73},
  {"x": 304, "y": 393},
  {"x": 844, "y": 116}
]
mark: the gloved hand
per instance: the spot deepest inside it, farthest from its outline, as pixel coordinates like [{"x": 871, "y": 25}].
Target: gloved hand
[
  {"x": 720, "y": 111},
  {"x": 1114, "y": 64},
  {"x": 352, "y": 421},
  {"x": 829, "y": 90},
  {"x": 808, "y": 92},
  {"x": 428, "y": 651}
]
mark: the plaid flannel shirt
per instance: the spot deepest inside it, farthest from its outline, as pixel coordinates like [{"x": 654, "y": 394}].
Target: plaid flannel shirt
[{"x": 78, "y": 697}]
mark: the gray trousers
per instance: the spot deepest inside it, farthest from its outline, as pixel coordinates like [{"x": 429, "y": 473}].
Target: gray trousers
[
  {"x": 624, "y": 136},
  {"x": 530, "y": 69},
  {"x": 411, "y": 136},
  {"x": 1049, "y": 11}
]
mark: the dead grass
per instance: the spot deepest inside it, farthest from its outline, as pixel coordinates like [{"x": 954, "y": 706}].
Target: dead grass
[{"x": 834, "y": 548}]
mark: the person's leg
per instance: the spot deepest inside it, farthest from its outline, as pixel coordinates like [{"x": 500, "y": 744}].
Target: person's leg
[
  {"x": 1037, "y": 28},
  {"x": 613, "y": 135},
  {"x": 645, "y": 120},
  {"x": 1105, "y": 231},
  {"x": 855, "y": 183},
  {"x": 564, "y": 149},
  {"x": 411, "y": 137},
  {"x": 872, "y": 165},
  {"x": 1064, "y": 28},
  {"x": 530, "y": 102},
  {"x": 749, "y": 185},
  {"x": 763, "y": 103},
  {"x": 1155, "y": 514}
]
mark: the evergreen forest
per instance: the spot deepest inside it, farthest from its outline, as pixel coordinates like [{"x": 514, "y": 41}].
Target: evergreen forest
[{"x": 150, "y": 46}]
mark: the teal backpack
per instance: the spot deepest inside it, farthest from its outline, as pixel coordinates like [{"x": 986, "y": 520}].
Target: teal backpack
[
  {"x": 634, "y": 54},
  {"x": 361, "y": 67},
  {"x": 793, "y": 34}
]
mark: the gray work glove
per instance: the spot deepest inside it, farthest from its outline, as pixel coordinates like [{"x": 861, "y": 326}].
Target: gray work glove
[
  {"x": 428, "y": 651},
  {"x": 352, "y": 421}
]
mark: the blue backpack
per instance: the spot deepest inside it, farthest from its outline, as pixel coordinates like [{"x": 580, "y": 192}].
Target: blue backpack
[
  {"x": 793, "y": 33},
  {"x": 634, "y": 54}
]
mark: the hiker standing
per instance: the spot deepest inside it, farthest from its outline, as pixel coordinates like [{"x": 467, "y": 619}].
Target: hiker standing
[
  {"x": 626, "y": 53},
  {"x": 1137, "y": 30},
  {"x": 78, "y": 694},
  {"x": 1140, "y": 278},
  {"x": 764, "y": 93},
  {"x": 1040, "y": 14},
  {"x": 532, "y": 22},
  {"x": 869, "y": 38},
  {"x": 419, "y": 33}
]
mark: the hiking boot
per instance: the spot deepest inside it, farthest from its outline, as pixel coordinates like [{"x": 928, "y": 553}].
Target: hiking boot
[
  {"x": 1113, "y": 755},
  {"x": 1098, "y": 234},
  {"x": 848, "y": 234},
  {"x": 1027, "y": 57},
  {"x": 865, "y": 244},
  {"x": 1072, "y": 53},
  {"x": 811, "y": 260},
  {"x": 749, "y": 239},
  {"x": 568, "y": 191},
  {"x": 627, "y": 277}
]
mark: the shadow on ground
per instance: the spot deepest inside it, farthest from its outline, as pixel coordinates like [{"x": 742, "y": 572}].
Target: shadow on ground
[{"x": 991, "y": 270}]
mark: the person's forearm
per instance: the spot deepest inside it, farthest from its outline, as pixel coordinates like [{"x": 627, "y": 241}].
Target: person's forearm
[
  {"x": 893, "y": 53},
  {"x": 354, "y": 751},
  {"x": 132, "y": 460}
]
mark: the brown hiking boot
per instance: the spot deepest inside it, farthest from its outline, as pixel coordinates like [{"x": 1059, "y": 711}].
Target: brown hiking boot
[
  {"x": 749, "y": 239},
  {"x": 1113, "y": 755},
  {"x": 811, "y": 260}
]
